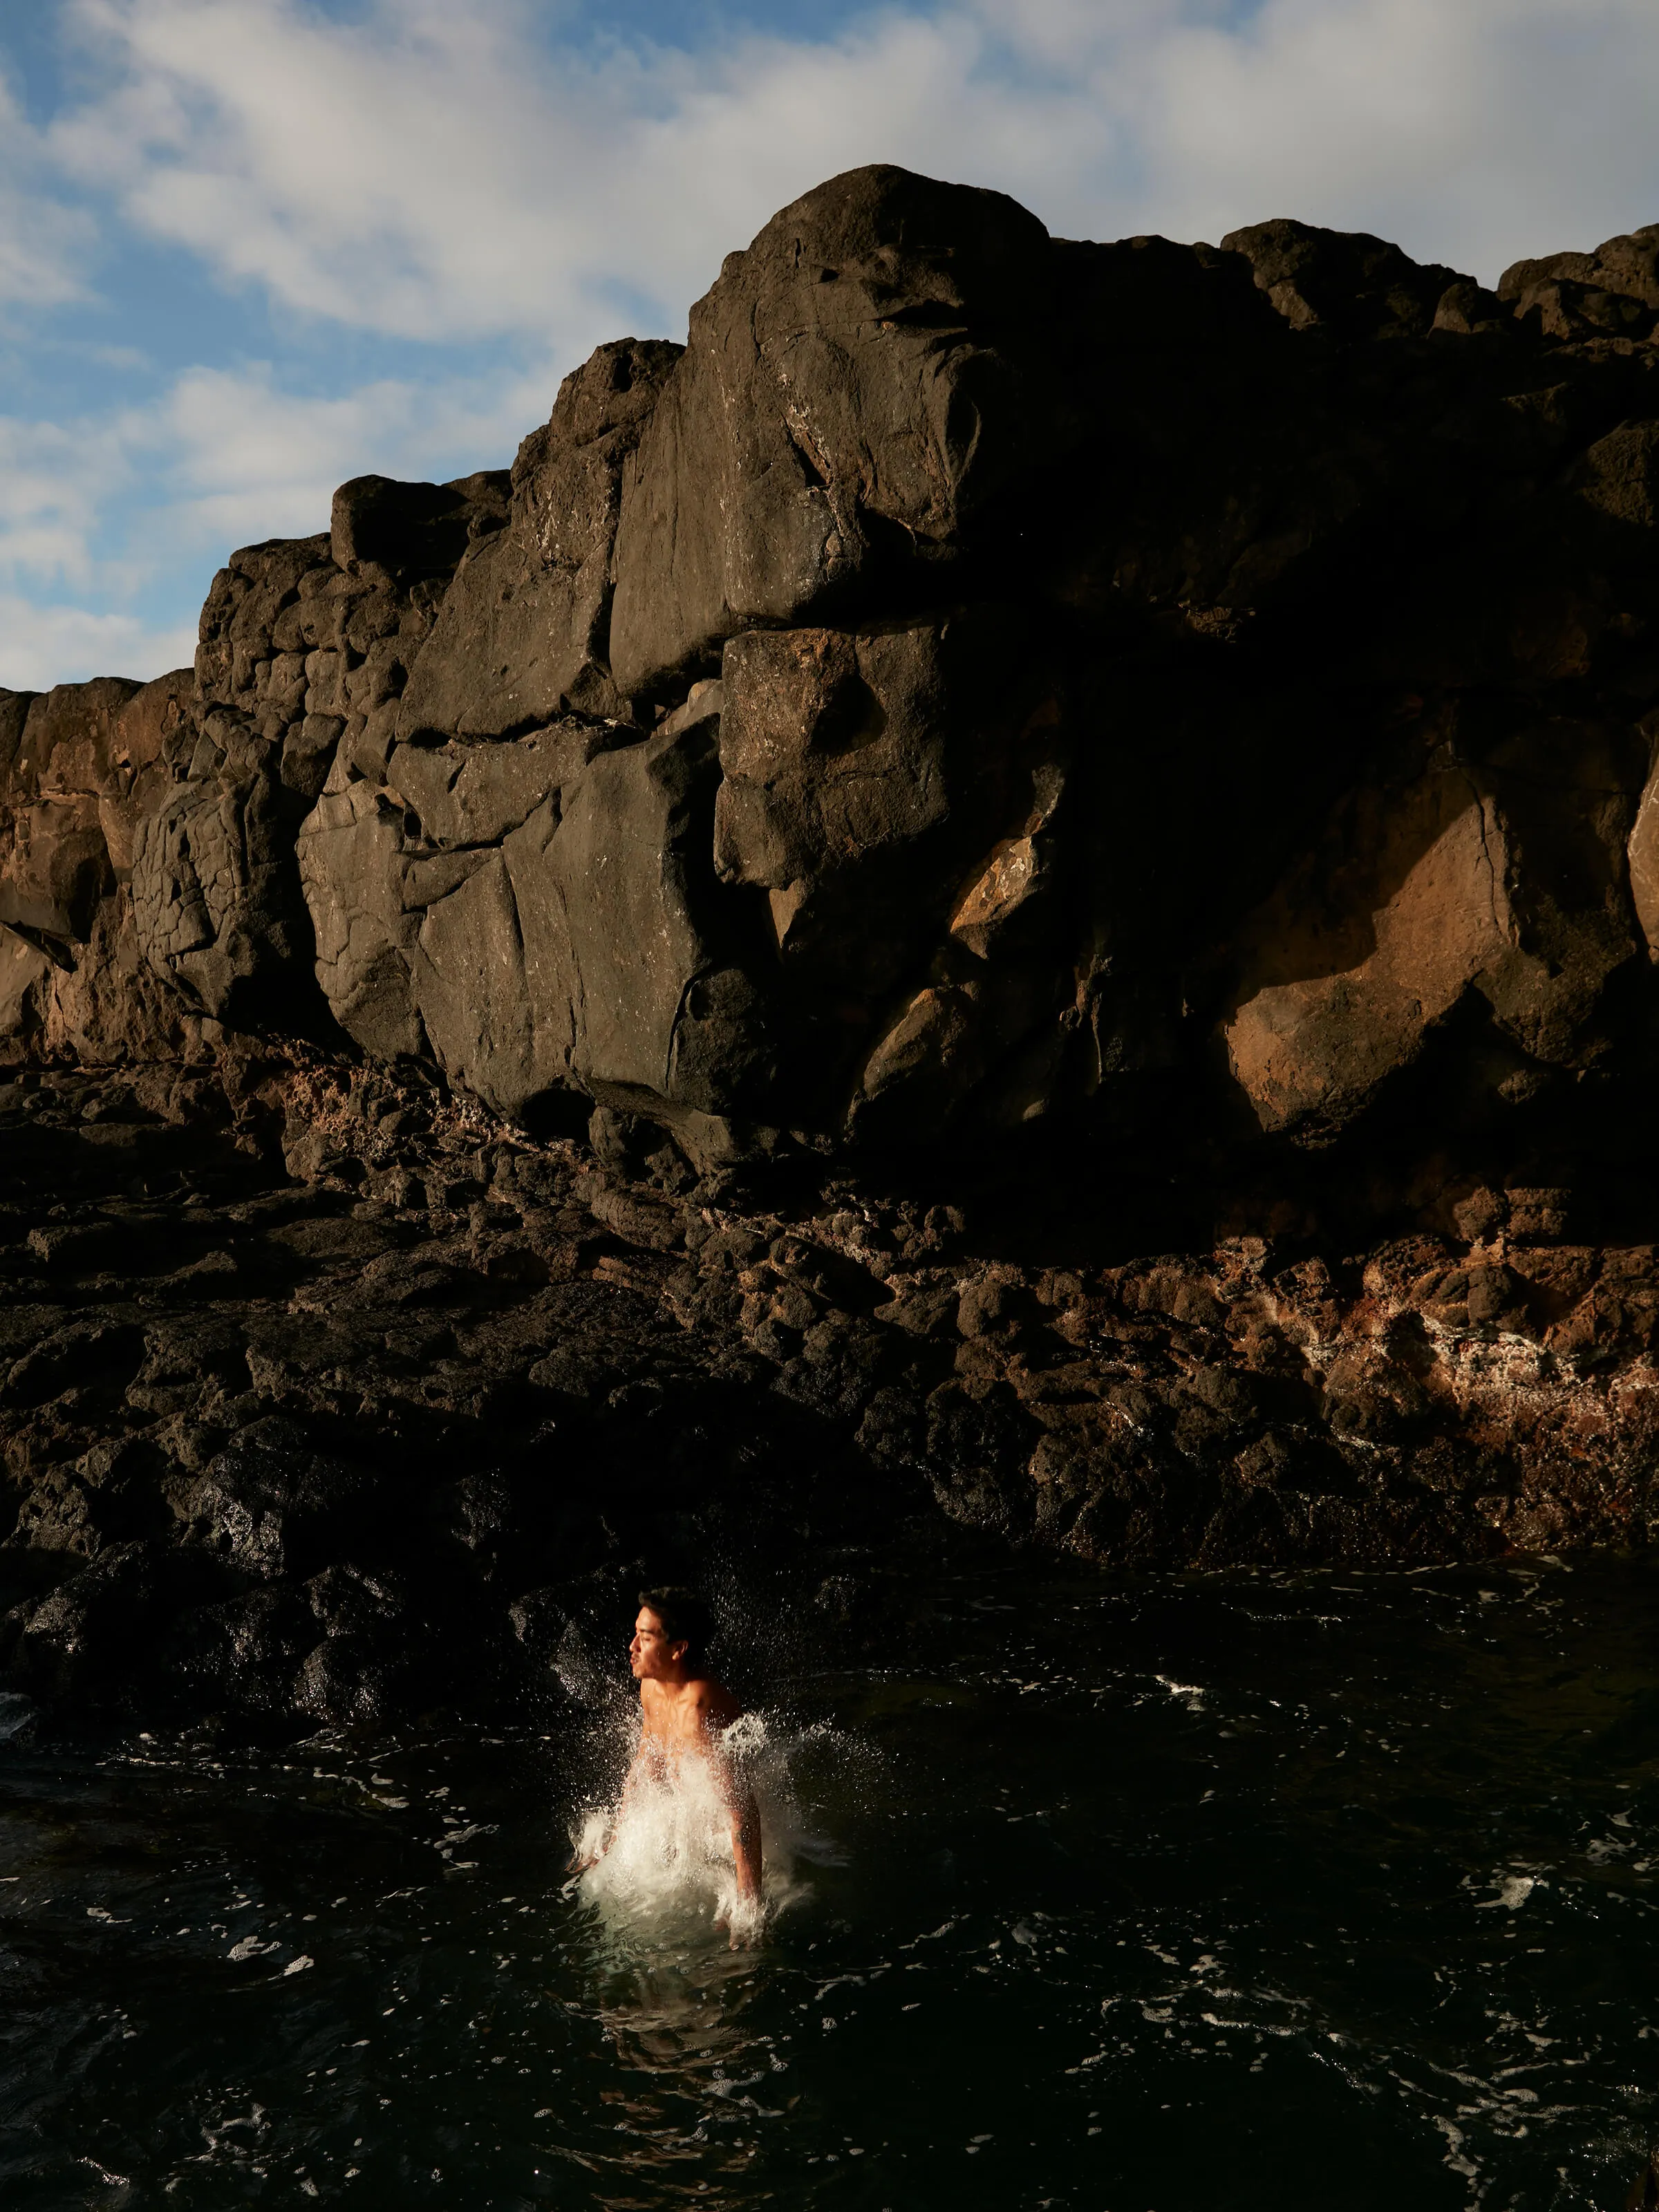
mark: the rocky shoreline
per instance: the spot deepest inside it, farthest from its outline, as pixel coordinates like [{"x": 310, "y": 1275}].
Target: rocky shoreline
[
  {"x": 326, "y": 1399},
  {"x": 1023, "y": 881}
]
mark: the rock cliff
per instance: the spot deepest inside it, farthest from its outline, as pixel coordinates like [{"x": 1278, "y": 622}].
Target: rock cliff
[{"x": 999, "y": 757}]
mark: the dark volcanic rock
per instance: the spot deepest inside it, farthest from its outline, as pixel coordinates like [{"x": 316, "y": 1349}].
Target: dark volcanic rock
[
  {"x": 1313, "y": 565},
  {"x": 271, "y": 1507},
  {"x": 854, "y": 396},
  {"x": 214, "y": 896},
  {"x": 1345, "y": 281},
  {"x": 412, "y": 529},
  {"x": 524, "y": 630},
  {"x": 1001, "y": 756},
  {"x": 1614, "y": 292},
  {"x": 385, "y": 1445}
]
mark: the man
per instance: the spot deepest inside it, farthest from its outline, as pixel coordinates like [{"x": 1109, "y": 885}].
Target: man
[{"x": 684, "y": 1710}]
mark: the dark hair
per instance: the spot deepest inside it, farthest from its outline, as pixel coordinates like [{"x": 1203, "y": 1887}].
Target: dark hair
[{"x": 685, "y": 1618}]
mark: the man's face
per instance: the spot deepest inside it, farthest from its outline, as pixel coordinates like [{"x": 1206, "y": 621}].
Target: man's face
[{"x": 651, "y": 1656}]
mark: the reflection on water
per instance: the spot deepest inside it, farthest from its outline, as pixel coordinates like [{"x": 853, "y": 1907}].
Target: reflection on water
[{"x": 1275, "y": 1890}]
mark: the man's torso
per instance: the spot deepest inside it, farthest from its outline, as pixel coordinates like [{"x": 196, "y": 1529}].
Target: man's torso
[{"x": 685, "y": 1717}]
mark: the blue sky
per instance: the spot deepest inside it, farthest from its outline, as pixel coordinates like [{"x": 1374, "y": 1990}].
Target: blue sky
[{"x": 251, "y": 247}]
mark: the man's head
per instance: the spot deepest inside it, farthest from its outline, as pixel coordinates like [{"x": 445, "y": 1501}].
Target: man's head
[{"x": 671, "y": 1636}]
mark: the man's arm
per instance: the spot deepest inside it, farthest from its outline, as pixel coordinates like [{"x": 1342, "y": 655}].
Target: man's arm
[
  {"x": 745, "y": 1841},
  {"x": 739, "y": 1799}
]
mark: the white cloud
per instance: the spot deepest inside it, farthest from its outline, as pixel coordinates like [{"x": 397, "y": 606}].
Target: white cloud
[
  {"x": 429, "y": 172},
  {"x": 44, "y": 244},
  {"x": 1473, "y": 133},
  {"x": 222, "y": 458},
  {"x": 55, "y": 478},
  {"x": 40, "y": 646},
  {"x": 249, "y": 460},
  {"x": 433, "y": 171}
]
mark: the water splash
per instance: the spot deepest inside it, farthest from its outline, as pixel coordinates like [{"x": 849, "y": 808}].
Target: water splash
[{"x": 661, "y": 1857}]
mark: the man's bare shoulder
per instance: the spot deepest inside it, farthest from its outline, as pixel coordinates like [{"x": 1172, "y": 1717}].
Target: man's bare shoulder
[{"x": 714, "y": 1704}]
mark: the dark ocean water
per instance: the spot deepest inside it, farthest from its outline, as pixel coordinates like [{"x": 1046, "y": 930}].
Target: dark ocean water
[{"x": 1284, "y": 1891}]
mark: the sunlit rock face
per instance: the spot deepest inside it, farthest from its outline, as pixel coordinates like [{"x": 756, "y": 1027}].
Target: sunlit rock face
[
  {"x": 981, "y": 683},
  {"x": 1496, "y": 883}
]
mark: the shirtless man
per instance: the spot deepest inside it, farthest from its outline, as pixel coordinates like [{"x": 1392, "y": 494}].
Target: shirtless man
[{"x": 683, "y": 1709}]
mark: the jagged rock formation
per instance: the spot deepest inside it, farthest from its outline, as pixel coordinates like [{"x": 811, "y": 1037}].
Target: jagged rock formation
[
  {"x": 998, "y": 674},
  {"x": 1164, "y": 733}
]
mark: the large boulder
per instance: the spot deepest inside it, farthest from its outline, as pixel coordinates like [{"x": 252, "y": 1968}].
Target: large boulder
[
  {"x": 1345, "y": 281},
  {"x": 542, "y": 915},
  {"x": 1369, "y": 945},
  {"x": 666, "y": 1010},
  {"x": 859, "y": 388},
  {"x": 216, "y": 898},
  {"x": 883, "y": 753},
  {"x": 594, "y": 954},
  {"x": 351, "y": 858},
  {"x": 81, "y": 767},
  {"x": 1611, "y": 293},
  {"x": 73, "y": 764},
  {"x": 412, "y": 530},
  {"x": 524, "y": 630},
  {"x": 469, "y": 983},
  {"x": 419, "y": 943},
  {"x": 1502, "y": 876}
]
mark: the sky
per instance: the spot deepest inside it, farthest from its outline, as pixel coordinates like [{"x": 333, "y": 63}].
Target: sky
[{"x": 249, "y": 248}]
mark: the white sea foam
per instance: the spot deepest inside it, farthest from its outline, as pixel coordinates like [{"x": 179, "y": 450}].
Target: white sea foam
[{"x": 662, "y": 1860}]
